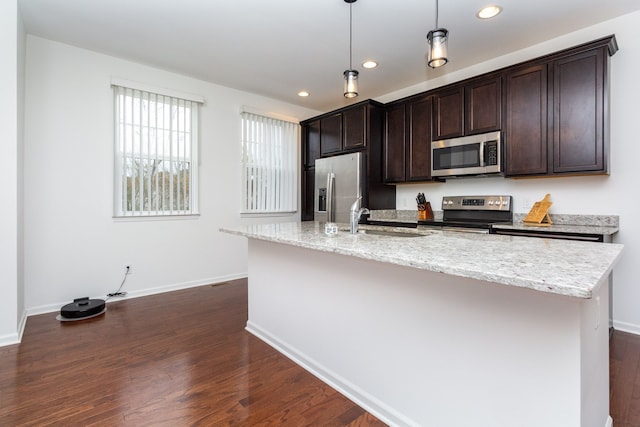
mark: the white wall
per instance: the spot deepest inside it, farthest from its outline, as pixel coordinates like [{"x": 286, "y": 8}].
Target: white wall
[
  {"x": 602, "y": 195},
  {"x": 10, "y": 141},
  {"x": 73, "y": 247},
  {"x": 22, "y": 51}
]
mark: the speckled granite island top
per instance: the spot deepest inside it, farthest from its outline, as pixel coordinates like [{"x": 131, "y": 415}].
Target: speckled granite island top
[{"x": 561, "y": 267}]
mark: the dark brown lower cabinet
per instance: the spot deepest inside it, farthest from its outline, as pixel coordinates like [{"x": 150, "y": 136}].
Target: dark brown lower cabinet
[{"x": 308, "y": 184}]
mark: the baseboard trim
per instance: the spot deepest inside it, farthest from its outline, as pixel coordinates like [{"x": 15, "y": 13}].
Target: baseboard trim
[
  {"x": 9, "y": 339},
  {"x": 354, "y": 393},
  {"x": 626, "y": 327},
  {"x": 49, "y": 308},
  {"x": 15, "y": 338}
]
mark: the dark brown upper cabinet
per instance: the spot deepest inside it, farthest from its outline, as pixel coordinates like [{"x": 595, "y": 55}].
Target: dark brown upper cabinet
[
  {"x": 419, "y": 114},
  {"x": 407, "y": 140},
  {"x": 526, "y": 121},
  {"x": 557, "y": 120},
  {"x": 468, "y": 108},
  {"x": 354, "y": 123},
  {"x": 311, "y": 143},
  {"x": 483, "y": 103},
  {"x": 448, "y": 117},
  {"x": 343, "y": 131},
  {"x": 394, "y": 143},
  {"x": 331, "y": 134},
  {"x": 579, "y": 141}
]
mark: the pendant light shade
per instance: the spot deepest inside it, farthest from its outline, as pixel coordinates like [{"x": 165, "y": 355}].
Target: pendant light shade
[
  {"x": 437, "y": 47},
  {"x": 437, "y": 39},
  {"x": 350, "y": 75},
  {"x": 350, "y": 83}
]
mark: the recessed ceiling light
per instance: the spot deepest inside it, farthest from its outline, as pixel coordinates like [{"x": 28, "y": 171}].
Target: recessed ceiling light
[
  {"x": 303, "y": 93},
  {"x": 369, "y": 64},
  {"x": 488, "y": 12}
]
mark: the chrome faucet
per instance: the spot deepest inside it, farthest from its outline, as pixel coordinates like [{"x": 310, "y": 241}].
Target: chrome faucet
[{"x": 356, "y": 213}]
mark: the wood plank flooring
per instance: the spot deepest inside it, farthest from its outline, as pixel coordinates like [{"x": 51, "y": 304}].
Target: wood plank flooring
[
  {"x": 174, "y": 359},
  {"x": 184, "y": 358},
  {"x": 624, "y": 379}
]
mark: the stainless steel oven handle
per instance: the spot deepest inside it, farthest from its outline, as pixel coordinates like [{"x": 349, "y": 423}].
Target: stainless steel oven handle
[
  {"x": 548, "y": 235},
  {"x": 466, "y": 230}
]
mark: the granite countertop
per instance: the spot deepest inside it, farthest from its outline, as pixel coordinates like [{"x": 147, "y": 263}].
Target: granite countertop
[
  {"x": 604, "y": 225},
  {"x": 562, "y": 267}
]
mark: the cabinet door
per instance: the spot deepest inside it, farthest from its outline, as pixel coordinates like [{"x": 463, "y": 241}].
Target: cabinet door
[
  {"x": 419, "y": 140},
  {"x": 331, "y": 134},
  {"x": 394, "y": 137},
  {"x": 354, "y": 125},
  {"x": 526, "y": 121},
  {"x": 308, "y": 186},
  {"x": 578, "y": 107},
  {"x": 311, "y": 143},
  {"x": 483, "y": 105},
  {"x": 448, "y": 114}
]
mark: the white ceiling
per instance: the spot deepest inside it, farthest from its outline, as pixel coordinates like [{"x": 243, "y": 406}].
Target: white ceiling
[{"x": 276, "y": 48}]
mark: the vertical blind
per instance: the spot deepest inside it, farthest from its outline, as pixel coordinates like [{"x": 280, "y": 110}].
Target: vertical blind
[
  {"x": 269, "y": 157},
  {"x": 155, "y": 154}
]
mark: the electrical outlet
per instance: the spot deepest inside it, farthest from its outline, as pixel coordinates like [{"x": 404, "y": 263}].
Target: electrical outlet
[{"x": 526, "y": 203}]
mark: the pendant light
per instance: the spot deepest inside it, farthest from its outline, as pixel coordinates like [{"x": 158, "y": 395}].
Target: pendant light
[
  {"x": 437, "y": 45},
  {"x": 350, "y": 75}
]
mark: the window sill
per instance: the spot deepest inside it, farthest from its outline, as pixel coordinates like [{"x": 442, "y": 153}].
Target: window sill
[
  {"x": 266, "y": 214},
  {"x": 134, "y": 218}
]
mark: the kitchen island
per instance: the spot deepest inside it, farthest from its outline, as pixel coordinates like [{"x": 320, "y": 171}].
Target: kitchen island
[{"x": 443, "y": 328}]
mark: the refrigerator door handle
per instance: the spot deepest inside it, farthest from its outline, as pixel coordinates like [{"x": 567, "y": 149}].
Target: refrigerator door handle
[{"x": 331, "y": 180}]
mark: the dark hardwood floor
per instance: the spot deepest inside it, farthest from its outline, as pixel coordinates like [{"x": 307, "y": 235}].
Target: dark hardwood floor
[
  {"x": 174, "y": 359},
  {"x": 184, "y": 358},
  {"x": 624, "y": 374}
]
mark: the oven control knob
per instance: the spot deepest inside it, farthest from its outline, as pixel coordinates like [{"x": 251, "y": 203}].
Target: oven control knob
[
  {"x": 505, "y": 202},
  {"x": 490, "y": 202}
]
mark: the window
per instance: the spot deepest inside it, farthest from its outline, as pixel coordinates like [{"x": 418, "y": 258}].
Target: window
[
  {"x": 156, "y": 162},
  {"x": 269, "y": 159}
]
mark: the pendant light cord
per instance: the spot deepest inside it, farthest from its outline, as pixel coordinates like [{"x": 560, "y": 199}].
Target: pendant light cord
[
  {"x": 437, "y": 15},
  {"x": 350, "y": 34}
]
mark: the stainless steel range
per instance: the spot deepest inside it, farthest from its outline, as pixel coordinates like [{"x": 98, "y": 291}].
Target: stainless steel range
[{"x": 473, "y": 213}]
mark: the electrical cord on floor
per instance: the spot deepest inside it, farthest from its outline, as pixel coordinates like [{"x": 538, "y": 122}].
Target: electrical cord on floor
[{"x": 118, "y": 293}]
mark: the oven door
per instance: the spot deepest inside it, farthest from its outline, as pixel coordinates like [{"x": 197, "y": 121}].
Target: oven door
[{"x": 470, "y": 155}]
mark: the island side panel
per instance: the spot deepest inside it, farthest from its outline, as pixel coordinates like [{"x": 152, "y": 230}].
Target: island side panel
[
  {"x": 421, "y": 348},
  {"x": 594, "y": 341}
]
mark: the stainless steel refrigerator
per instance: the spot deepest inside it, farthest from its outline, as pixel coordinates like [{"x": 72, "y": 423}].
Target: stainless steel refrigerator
[{"x": 339, "y": 182}]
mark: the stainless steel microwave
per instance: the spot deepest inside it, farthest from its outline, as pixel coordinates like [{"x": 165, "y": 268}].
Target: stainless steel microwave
[{"x": 469, "y": 155}]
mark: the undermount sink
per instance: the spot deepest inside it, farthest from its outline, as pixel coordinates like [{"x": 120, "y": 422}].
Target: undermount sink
[{"x": 389, "y": 233}]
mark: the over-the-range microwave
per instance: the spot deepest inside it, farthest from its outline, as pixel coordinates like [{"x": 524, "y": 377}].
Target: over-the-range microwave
[{"x": 468, "y": 155}]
